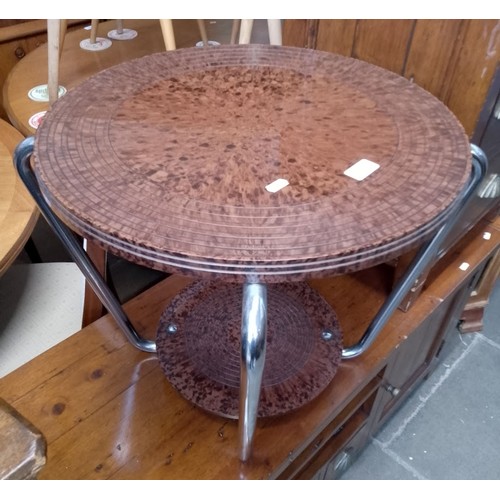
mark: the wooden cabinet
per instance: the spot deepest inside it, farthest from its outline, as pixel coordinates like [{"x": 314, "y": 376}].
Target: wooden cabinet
[
  {"x": 406, "y": 367},
  {"x": 419, "y": 354},
  {"x": 454, "y": 59},
  {"x": 107, "y": 411}
]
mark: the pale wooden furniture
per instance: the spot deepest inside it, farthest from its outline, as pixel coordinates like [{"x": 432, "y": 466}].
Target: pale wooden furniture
[
  {"x": 77, "y": 65},
  {"x": 107, "y": 410},
  {"x": 56, "y": 30},
  {"x": 167, "y": 30},
  {"x": 18, "y": 212},
  {"x": 273, "y": 26}
]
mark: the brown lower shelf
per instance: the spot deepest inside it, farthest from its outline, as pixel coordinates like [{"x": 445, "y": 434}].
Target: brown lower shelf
[{"x": 107, "y": 411}]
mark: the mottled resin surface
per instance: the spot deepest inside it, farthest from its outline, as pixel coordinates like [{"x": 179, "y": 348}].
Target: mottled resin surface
[
  {"x": 164, "y": 160},
  {"x": 199, "y": 349}
]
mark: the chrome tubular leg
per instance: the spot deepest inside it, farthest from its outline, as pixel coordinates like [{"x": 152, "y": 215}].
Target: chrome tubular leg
[
  {"x": 22, "y": 156},
  {"x": 423, "y": 258},
  {"x": 253, "y": 354}
]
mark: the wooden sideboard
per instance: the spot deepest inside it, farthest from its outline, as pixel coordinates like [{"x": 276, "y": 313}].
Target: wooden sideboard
[{"x": 107, "y": 411}]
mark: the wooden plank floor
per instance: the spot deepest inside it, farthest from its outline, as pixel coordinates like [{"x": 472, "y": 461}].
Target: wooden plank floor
[{"x": 107, "y": 410}]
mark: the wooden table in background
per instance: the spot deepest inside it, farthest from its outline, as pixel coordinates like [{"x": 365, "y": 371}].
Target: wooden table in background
[
  {"x": 18, "y": 212},
  {"x": 77, "y": 64}
]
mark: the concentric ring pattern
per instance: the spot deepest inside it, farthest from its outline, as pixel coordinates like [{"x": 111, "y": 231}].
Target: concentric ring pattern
[
  {"x": 164, "y": 160},
  {"x": 199, "y": 346}
]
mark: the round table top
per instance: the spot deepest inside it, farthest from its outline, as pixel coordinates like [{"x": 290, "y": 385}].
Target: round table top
[
  {"x": 18, "y": 212},
  {"x": 165, "y": 161}
]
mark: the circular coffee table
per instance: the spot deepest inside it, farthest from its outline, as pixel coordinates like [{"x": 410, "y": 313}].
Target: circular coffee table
[{"x": 231, "y": 164}]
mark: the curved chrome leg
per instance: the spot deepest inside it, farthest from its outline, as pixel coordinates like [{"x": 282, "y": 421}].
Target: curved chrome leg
[
  {"x": 22, "y": 156},
  {"x": 423, "y": 258},
  {"x": 253, "y": 355}
]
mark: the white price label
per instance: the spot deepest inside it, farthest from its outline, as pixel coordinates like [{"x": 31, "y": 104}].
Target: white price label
[
  {"x": 277, "y": 185},
  {"x": 361, "y": 169}
]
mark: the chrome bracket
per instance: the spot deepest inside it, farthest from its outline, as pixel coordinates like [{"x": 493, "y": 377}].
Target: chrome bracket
[
  {"x": 22, "y": 157},
  {"x": 423, "y": 259}
]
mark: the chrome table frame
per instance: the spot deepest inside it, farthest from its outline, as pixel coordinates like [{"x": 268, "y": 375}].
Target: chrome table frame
[{"x": 254, "y": 307}]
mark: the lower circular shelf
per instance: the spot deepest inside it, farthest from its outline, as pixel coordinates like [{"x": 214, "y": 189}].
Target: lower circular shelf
[{"x": 198, "y": 346}]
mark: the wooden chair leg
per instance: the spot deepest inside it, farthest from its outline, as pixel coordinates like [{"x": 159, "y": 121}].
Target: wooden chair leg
[
  {"x": 53, "y": 48},
  {"x": 234, "y": 31},
  {"x": 203, "y": 31},
  {"x": 274, "y": 28},
  {"x": 167, "y": 30},
  {"x": 62, "y": 34},
  {"x": 93, "y": 30},
  {"x": 246, "y": 30}
]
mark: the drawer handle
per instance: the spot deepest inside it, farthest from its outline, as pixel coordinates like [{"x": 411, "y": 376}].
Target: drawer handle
[{"x": 393, "y": 391}]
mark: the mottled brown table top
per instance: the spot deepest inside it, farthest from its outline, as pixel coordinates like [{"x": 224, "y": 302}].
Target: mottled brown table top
[{"x": 165, "y": 159}]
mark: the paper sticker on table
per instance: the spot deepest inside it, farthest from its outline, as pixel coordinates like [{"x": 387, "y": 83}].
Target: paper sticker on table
[
  {"x": 361, "y": 169},
  {"x": 276, "y": 185},
  {"x": 126, "y": 34},
  {"x": 40, "y": 93},
  {"x": 36, "y": 119},
  {"x": 100, "y": 44}
]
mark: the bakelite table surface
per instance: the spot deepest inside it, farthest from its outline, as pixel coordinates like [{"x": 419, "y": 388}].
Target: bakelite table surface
[
  {"x": 18, "y": 211},
  {"x": 165, "y": 160}
]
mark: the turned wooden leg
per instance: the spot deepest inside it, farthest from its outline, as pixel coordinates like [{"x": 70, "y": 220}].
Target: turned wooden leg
[
  {"x": 53, "y": 44},
  {"x": 234, "y": 31},
  {"x": 246, "y": 30},
  {"x": 203, "y": 31},
  {"x": 62, "y": 34},
  {"x": 274, "y": 28},
  {"x": 93, "y": 30},
  {"x": 167, "y": 30}
]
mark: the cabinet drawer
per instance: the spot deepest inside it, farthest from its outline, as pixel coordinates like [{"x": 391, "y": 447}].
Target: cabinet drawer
[{"x": 342, "y": 460}]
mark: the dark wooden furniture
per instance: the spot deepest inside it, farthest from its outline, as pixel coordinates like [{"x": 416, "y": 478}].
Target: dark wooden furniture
[
  {"x": 451, "y": 58},
  {"x": 472, "y": 316},
  {"x": 486, "y": 136},
  {"x": 107, "y": 410}
]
